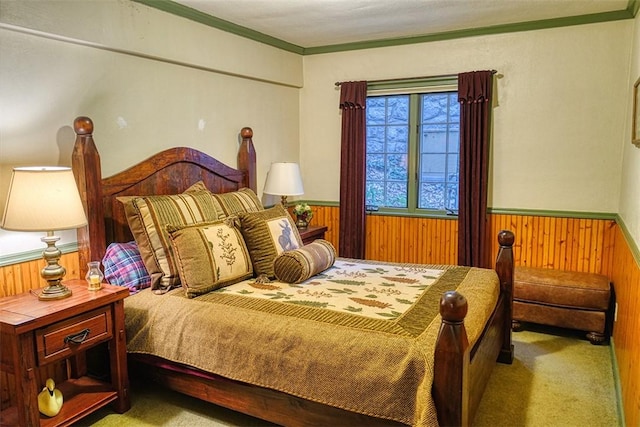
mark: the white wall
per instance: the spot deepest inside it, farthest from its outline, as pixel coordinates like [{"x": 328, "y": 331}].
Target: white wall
[
  {"x": 148, "y": 79},
  {"x": 630, "y": 186},
  {"x": 557, "y": 131}
]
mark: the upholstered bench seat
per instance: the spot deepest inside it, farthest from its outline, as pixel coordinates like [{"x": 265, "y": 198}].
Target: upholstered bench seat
[{"x": 562, "y": 298}]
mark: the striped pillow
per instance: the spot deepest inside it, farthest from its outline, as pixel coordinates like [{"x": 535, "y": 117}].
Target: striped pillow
[
  {"x": 267, "y": 234},
  {"x": 300, "y": 264},
  {"x": 148, "y": 218},
  {"x": 210, "y": 256},
  {"x": 236, "y": 202}
]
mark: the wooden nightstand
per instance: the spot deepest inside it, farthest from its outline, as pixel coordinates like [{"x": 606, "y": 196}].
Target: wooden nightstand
[
  {"x": 312, "y": 233},
  {"x": 36, "y": 333}
]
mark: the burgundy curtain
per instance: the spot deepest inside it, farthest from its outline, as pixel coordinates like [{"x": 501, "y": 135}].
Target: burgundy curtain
[
  {"x": 353, "y": 100},
  {"x": 474, "y": 95}
]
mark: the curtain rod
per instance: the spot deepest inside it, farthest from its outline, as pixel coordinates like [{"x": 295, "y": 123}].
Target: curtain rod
[{"x": 442, "y": 76}]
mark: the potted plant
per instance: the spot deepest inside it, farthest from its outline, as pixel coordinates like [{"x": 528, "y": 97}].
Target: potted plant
[{"x": 303, "y": 215}]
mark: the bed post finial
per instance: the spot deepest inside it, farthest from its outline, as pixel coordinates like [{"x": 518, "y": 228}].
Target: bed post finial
[
  {"x": 85, "y": 162},
  {"x": 247, "y": 159},
  {"x": 83, "y": 125}
]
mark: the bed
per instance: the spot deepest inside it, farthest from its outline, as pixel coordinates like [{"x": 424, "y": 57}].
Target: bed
[{"x": 452, "y": 368}]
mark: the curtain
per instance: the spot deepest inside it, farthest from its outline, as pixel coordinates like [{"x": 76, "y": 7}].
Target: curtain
[
  {"x": 353, "y": 100},
  {"x": 474, "y": 95}
]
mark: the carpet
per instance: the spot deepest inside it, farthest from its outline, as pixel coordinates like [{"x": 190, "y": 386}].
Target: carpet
[{"x": 557, "y": 379}]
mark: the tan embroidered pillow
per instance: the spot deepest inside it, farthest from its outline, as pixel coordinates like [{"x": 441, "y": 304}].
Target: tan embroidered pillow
[
  {"x": 236, "y": 202},
  {"x": 210, "y": 256},
  {"x": 267, "y": 234},
  {"x": 298, "y": 265},
  {"x": 148, "y": 218}
]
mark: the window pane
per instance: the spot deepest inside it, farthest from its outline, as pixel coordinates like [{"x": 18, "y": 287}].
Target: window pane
[
  {"x": 397, "y": 139},
  {"x": 433, "y": 167},
  {"x": 374, "y": 193},
  {"x": 375, "y": 167},
  {"x": 452, "y": 197},
  {"x": 375, "y": 139},
  {"x": 454, "y": 138},
  {"x": 398, "y": 109},
  {"x": 431, "y": 196},
  {"x": 454, "y": 108},
  {"x": 397, "y": 167},
  {"x": 434, "y": 108},
  {"x": 396, "y": 195},
  {"x": 434, "y": 139},
  {"x": 376, "y": 110}
]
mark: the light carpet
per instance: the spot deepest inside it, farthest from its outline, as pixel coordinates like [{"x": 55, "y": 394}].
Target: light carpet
[{"x": 557, "y": 379}]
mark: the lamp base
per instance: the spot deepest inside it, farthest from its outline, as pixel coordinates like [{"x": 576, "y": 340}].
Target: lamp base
[
  {"x": 53, "y": 272},
  {"x": 54, "y": 292}
]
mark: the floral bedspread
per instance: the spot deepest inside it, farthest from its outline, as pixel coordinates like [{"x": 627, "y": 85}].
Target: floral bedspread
[{"x": 377, "y": 290}]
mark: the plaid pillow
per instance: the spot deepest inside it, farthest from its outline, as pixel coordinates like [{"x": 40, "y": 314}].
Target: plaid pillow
[{"x": 123, "y": 266}]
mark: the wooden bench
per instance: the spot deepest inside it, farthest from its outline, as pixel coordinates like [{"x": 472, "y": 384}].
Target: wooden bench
[{"x": 562, "y": 298}]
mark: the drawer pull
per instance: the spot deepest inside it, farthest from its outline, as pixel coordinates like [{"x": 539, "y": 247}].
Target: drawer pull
[{"x": 78, "y": 338}]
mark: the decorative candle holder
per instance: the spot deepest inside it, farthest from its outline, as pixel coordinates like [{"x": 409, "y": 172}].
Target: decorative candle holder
[{"x": 94, "y": 276}]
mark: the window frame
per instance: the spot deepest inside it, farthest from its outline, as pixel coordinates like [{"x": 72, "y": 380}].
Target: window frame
[{"x": 413, "y": 88}]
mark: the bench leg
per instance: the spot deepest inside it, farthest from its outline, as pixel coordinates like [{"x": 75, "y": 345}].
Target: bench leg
[
  {"x": 516, "y": 325},
  {"x": 596, "y": 338}
]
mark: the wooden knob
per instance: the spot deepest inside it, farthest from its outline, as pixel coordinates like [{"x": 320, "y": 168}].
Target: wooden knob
[
  {"x": 83, "y": 125},
  {"x": 453, "y": 307},
  {"x": 506, "y": 238},
  {"x": 246, "y": 133}
]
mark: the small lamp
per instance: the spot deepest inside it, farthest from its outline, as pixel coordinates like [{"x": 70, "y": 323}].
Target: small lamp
[
  {"x": 284, "y": 180},
  {"x": 45, "y": 199}
]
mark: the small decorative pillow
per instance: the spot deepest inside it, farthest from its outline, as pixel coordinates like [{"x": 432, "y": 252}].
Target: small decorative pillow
[
  {"x": 148, "y": 218},
  {"x": 268, "y": 233},
  {"x": 123, "y": 266},
  {"x": 236, "y": 202},
  {"x": 210, "y": 256},
  {"x": 298, "y": 265}
]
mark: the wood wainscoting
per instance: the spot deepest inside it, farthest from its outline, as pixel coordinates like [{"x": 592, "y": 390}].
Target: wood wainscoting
[{"x": 575, "y": 244}]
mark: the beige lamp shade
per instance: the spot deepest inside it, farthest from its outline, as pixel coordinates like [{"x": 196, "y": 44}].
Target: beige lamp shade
[
  {"x": 284, "y": 179},
  {"x": 43, "y": 199}
]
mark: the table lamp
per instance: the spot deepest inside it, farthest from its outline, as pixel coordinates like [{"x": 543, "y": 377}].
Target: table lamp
[
  {"x": 45, "y": 199},
  {"x": 284, "y": 180}
]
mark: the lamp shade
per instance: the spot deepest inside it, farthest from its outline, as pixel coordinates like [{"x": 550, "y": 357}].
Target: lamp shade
[
  {"x": 43, "y": 199},
  {"x": 284, "y": 179}
]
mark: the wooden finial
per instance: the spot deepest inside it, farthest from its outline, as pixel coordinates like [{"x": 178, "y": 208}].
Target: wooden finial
[
  {"x": 83, "y": 126},
  {"x": 506, "y": 238},
  {"x": 453, "y": 307},
  {"x": 246, "y": 133}
]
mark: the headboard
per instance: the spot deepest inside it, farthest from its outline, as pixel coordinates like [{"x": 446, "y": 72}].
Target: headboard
[{"x": 169, "y": 172}]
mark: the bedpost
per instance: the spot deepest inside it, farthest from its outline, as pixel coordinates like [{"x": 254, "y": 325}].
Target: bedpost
[
  {"x": 247, "y": 159},
  {"x": 504, "y": 268},
  {"x": 86, "y": 168},
  {"x": 451, "y": 363}
]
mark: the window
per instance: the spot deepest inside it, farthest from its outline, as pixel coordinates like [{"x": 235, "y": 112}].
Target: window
[{"x": 413, "y": 171}]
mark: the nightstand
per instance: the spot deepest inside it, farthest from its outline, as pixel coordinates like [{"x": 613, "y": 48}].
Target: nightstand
[
  {"x": 312, "y": 233},
  {"x": 36, "y": 333}
]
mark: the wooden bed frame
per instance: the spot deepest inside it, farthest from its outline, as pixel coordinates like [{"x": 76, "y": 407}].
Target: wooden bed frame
[{"x": 461, "y": 372}]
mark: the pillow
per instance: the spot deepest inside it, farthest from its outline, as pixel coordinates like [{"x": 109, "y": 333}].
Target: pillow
[
  {"x": 210, "y": 256},
  {"x": 268, "y": 233},
  {"x": 236, "y": 202},
  {"x": 123, "y": 266},
  {"x": 148, "y": 218},
  {"x": 298, "y": 265}
]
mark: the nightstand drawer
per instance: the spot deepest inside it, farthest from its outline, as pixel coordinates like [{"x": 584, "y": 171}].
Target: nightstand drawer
[{"x": 64, "y": 338}]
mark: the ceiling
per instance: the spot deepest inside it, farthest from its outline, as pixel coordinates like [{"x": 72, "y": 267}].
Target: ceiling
[{"x": 321, "y": 23}]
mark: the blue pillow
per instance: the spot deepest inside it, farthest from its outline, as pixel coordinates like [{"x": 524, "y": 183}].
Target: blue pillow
[{"x": 123, "y": 266}]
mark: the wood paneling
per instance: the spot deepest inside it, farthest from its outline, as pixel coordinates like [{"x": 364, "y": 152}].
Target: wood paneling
[
  {"x": 625, "y": 275},
  {"x": 18, "y": 278}
]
